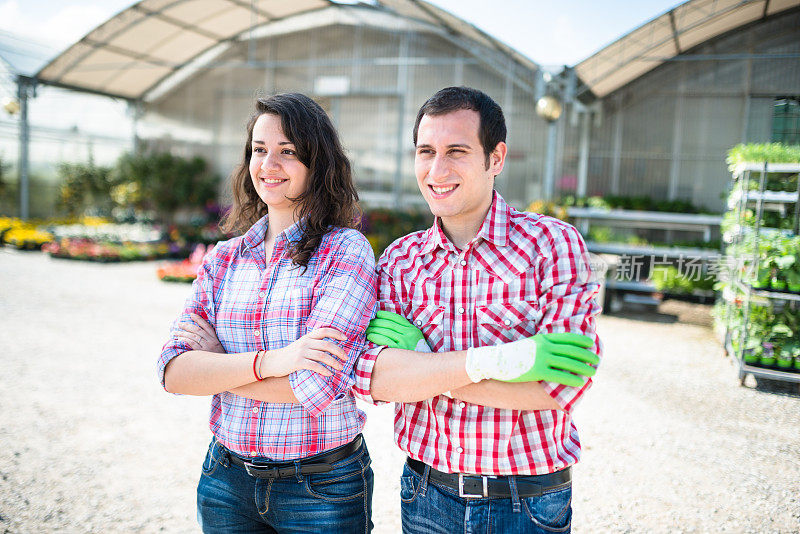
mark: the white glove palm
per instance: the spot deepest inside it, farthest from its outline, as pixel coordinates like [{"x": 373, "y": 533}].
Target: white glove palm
[{"x": 551, "y": 357}]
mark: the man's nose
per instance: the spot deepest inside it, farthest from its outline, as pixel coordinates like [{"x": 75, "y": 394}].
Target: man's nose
[{"x": 439, "y": 169}]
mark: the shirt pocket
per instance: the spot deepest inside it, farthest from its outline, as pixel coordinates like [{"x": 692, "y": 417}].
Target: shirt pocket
[
  {"x": 503, "y": 322},
  {"x": 430, "y": 319},
  {"x": 286, "y": 315}
]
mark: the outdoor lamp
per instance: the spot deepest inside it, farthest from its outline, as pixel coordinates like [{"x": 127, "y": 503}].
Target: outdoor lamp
[
  {"x": 549, "y": 108},
  {"x": 11, "y": 105}
]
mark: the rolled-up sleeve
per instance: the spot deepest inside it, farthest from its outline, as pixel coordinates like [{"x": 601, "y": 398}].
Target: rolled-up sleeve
[
  {"x": 345, "y": 299},
  {"x": 388, "y": 300},
  {"x": 567, "y": 299},
  {"x": 200, "y": 302}
]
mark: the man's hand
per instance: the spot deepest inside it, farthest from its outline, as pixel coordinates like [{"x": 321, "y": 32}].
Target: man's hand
[
  {"x": 199, "y": 335},
  {"x": 550, "y": 357},
  {"x": 397, "y": 332}
]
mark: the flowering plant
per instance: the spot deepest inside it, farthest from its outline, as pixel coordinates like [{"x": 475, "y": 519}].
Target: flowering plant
[{"x": 186, "y": 270}]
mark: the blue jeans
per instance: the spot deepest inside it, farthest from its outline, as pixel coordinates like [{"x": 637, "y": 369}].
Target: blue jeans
[
  {"x": 231, "y": 501},
  {"x": 430, "y": 508}
]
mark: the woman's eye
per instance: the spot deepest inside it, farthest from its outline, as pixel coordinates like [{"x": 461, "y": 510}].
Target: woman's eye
[
  {"x": 289, "y": 152},
  {"x": 258, "y": 149}
]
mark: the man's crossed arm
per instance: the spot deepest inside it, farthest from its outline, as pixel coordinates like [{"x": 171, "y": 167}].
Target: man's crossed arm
[{"x": 501, "y": 376}]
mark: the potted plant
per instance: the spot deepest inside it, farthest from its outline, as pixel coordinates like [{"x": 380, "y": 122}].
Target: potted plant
[
  {"x": 786, "y": 354},
  {"x": 753, "y": 351},
  {"x": 793, "y": 279},
  {"x": 791, "y": 247},
  {"x": 764, "y": 275},
  {"x": 777, "y": 282},
  {"x": 767, "y": 354}
]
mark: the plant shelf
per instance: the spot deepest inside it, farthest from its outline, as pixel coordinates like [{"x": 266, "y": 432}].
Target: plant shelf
[{"x": 751, "y": 243}]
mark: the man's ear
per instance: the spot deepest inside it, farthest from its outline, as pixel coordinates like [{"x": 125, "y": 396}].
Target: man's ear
[{"x": 497, "y": 158}]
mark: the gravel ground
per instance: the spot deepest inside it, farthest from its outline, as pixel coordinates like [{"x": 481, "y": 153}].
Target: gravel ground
[{"x": 90, "y": 443}]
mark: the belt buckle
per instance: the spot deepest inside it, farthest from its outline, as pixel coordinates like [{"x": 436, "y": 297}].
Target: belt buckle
[
  {"x": 474, "y": 495},
  {"x": 259, "y": 469}
]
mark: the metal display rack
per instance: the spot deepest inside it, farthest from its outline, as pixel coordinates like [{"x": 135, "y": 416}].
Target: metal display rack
[
  {"x": 746, "y": 264},
  {"x": 640, "y": 289}
]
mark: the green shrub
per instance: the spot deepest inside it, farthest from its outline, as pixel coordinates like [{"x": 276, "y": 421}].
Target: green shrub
[
  {"x": 84, "y": 185},
  {"x": 669, "y": 279},
  {"x": 760, "y": 152},
  {"x": 162, "y": 183}
]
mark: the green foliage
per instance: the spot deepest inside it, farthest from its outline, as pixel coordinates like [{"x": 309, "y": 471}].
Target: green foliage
[
  {"x": 761, "y": 152},
  {"x": 84, "y": 185},
  {"x": 383, "y": 226},
  {"x": 3, "y": 170},
  {"x": 639, "y": 203},
  {"x": 551, "y": 209},
  {"x": 669, "y": 279},
  {"x": 6, "y": 191},
  {"x": 605, "y": 234},
  {"x": 162, "y": 182}
]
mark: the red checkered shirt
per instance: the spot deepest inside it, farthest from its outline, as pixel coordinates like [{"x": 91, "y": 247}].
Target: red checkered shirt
[
  {"x": 523, "y": 274},
  {"x": 254, "y": 304}
]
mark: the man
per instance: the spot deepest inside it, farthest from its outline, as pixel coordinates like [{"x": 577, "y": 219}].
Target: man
[{"x": 505, "y": 301}]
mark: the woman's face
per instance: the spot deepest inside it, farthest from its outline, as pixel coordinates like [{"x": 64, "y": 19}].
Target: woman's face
[{"x": 277, "y": 173}]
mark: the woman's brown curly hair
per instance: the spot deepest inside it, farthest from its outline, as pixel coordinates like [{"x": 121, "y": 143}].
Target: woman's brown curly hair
[{"x": 331, "y": 199}]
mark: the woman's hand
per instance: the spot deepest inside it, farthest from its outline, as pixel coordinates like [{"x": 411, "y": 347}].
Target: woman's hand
[
  {"x": 308, "y": 352},
  {"x": 199, "y": 336}
]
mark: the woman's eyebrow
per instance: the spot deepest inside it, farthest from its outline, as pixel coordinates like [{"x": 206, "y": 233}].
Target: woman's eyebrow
[{"x": 260, "y": 142}]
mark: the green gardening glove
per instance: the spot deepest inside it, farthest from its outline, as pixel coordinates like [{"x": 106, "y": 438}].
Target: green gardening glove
[
  {"x": 549, "y": 357},
  {"x": 397, "y": 332}
]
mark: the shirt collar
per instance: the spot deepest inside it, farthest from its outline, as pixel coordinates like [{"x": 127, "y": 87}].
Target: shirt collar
[
  {"x": 494, "y": 228},
  {"x": 254, "y": 237}
]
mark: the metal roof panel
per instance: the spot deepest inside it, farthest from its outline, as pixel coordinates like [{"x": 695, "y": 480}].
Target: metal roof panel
[{"x": 690, "y": 24}]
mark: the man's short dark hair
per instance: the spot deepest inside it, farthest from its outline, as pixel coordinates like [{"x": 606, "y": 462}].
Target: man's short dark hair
[{"x": 492, "y": 128}]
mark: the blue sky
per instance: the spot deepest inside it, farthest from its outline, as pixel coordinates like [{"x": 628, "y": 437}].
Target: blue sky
[{"x": 550, "y": 33}]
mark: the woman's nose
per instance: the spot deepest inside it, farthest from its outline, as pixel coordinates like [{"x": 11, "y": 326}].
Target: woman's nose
[{"x": 270, "y": 161}]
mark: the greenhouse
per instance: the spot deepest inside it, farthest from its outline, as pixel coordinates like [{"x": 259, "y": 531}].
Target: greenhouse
[{"x": 370, "y": 66}]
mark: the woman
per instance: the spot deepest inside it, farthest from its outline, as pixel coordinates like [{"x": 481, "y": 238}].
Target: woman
[{"x": 272, "y": 330}]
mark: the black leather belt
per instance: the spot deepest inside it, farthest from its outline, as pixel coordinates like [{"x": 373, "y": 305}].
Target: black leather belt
[
  {"x": 319, "y": 463},
  {"x": 489, "y": 486}
]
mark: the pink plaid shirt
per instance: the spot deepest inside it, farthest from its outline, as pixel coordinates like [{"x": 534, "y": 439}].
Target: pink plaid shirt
[
  {"x": 254, "y": 304},
  {"x": 523, "y": 274}
]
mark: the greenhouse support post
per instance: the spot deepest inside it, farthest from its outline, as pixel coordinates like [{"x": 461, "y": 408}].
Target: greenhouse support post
[{"x": 26, "y": 87}]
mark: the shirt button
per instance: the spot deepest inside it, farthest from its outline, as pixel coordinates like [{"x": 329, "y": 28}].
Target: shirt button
[
  {"x": 463, "y": 263},
  {"x": 507, "y": 322},
  {"x": 461, "y": 310},
  {"x": 461, "y": 404},
  {"x": 256, "y": 333},
  {"x": 262, "y": 294},
  {"x": 253, "y": 453},
  {"x": 419, "y": 323},
  {"x": 255, "y": 409},
  {"x": 460, "y": 449}
]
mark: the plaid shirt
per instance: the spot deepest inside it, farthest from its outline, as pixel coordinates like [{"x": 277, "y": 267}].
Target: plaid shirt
[
  {"x": 523, "y": 274},
  {"x": 254, "y": 304}
]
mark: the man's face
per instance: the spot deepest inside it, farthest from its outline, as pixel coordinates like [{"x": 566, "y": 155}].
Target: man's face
[{"x": 451, "y": 169}]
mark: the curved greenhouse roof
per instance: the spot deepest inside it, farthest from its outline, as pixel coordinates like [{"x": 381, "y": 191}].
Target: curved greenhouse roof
[
  {"x": 137, "y": 50},
  {"x": 676, "y": 31}
]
